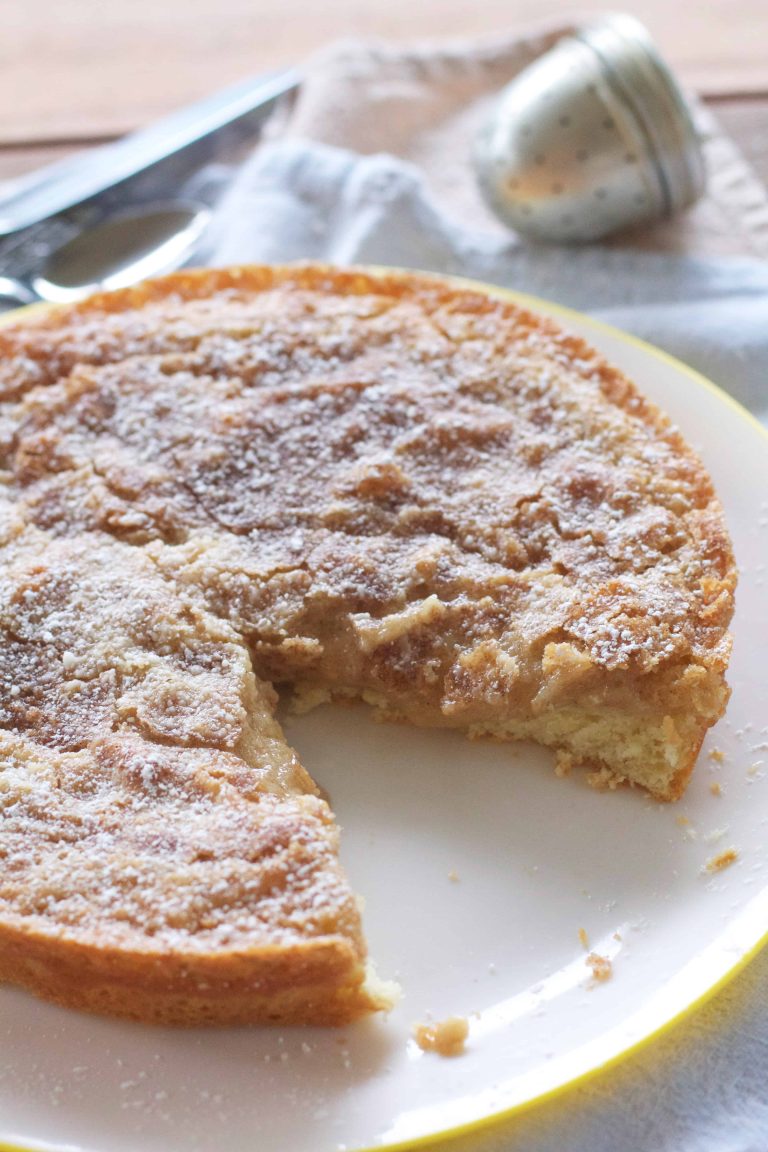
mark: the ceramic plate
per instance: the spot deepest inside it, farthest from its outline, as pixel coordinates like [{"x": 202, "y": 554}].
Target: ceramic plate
[{"x": 479, "y": 869}]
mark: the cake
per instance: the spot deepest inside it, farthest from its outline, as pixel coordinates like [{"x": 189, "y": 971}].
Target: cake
[{"x": 366, "y": 486}]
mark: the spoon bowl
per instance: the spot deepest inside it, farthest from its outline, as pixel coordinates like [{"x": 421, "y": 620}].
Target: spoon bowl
[{"x": 121, "y": 250}]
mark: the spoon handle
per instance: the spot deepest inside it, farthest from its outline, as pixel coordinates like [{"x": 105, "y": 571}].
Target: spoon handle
[{"x": 69, "y": 182}]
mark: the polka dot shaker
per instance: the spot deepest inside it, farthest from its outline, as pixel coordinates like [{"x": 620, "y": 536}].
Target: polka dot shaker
[{"x": 593, "y": 137}]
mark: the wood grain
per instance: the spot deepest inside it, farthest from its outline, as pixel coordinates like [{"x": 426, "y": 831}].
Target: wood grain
[
  {"x": 25, "y": 158},
  {"x": 93, "y": 69}
]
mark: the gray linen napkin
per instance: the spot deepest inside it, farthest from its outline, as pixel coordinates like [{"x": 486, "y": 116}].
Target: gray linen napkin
[
  {"x": 322, "y": 190},
  {"x": 298, "y": 200},
  {"x": 373, "y": 166}
]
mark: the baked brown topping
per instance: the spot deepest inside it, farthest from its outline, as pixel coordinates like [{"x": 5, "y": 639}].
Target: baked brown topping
[{"x": 382, "y": 487}]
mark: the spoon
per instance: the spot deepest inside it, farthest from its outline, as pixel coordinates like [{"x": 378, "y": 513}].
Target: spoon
[{"x": 120, "y": 251}]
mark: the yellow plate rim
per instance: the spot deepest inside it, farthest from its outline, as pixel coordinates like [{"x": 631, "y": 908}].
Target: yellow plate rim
[{"x": 750, "y": 921}]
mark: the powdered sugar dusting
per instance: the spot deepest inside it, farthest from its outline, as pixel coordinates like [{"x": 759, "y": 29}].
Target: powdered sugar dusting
[{"x": 255, "y": 471}]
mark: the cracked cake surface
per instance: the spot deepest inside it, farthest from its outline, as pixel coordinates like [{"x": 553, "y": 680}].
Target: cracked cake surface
[{"x": 386, "y": 487}]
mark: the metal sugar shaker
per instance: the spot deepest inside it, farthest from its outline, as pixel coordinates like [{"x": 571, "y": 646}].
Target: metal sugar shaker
[{"x": 593, "y": 137}]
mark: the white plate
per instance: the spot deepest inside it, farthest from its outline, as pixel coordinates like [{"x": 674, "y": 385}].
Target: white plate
[{"x": 537, "y": 858}]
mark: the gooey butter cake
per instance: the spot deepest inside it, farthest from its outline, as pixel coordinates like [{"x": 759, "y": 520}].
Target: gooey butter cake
[{"x": 385, "y": 487}]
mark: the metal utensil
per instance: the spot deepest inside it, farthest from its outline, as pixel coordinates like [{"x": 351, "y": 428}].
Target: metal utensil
[
  {"x": 70, "y": 182},
  {"x": 121, "y": 250},
  {"x": 593, "y": 137}
]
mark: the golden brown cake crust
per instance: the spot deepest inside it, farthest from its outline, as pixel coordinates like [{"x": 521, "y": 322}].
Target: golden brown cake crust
[
  {"x": 385, "y": 486},
  {"x": 164, "y": 856}
]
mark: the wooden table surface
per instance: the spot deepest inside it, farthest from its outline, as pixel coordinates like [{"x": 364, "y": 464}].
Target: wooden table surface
[{"x": 80, "y": 72}]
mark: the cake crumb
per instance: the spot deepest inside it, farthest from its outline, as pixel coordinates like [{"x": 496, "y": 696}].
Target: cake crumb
[
  {"x": 446, "y": 1037},
  {"x": 604, "y": 780},
  {"x": 602, "y": 967},
  {"x": 563, "y": 763},
  {"x": 682, "y": 821},
  {"x": 584, "y": 939},
  {"x": 453, "y": 876},
  {"x": 617, "y": 936},
  {"x": 754, "y": 768},
  {"x": 715, "y": 788},
  {"x": 722, "y": 860},
  {"x": 717, "y": 755},
  {"x": 306, "y": 698}
]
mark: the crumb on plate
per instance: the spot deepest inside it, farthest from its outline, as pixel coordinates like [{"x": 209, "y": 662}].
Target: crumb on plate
[
  {"x": 446, "y": 1037},
  {"x": 584, "y": 939},
  {"x": 563, "y": 763},
  {"x": 603, "y": 780},
  {"x": 602, "y": 967},
  {"x": 722, "y": 860}
]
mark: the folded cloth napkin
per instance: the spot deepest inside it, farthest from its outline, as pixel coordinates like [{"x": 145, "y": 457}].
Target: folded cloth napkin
[
  {"x": 373, "y": 167},
  {"x": 301, "y": 200}
]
